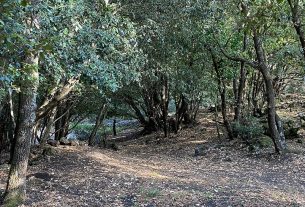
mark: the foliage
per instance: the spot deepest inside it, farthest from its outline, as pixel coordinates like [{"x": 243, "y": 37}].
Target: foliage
[
  {"x": 151, "y": 192},
  {"x": 147, "y": 59},
  {"x": 104, "y": 130},
  {"x": 87, "y": 38},
  {"x": 248, "y": 128}
]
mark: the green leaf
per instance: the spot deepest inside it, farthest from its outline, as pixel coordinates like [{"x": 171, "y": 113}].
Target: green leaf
[
  {"x": 24, "y": 3},
  {"x": 66, "y": 31}
]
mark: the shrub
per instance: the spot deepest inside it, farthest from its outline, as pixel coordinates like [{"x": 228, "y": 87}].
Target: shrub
[
  {"x": 248, "y": 128},
  {"x": 251, "y": 130}
]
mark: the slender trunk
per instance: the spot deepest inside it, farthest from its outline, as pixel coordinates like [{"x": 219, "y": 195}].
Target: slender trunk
[
  {"x": 216, "y": 120},
  {"x": 58, "y": 116},
  {"x": 250, "y": 88},
  {"x": 114, "y": 127},
  {"x": 181, "y": 110},
  {"x": 165, "y": 101},
  {"x": 50, "y": 122},
  {"x": 137, "y": 111},
  {"x": 242, "y": 83},
  {"x": 273, "y": 121},
  {"x": 222, "y": 91},
  {"x": 57, "y": 95},
  {"x": 235, "y": 88},
  {"x": 224, "y": 113},
  {"x": 178, "y": 103},
  {"x": 280, "y": 128},
  {"x": 7, "y": 127},
  {"x": 98, "y": 122},
  {"x": 150, "y": 124},
  {"x": 16, "y": 184},
  {"x": 255, "y": 91},
  {"x": 62, "y": 120},
  {"x": 13, "y": 141},
  {"x": 195, "y": 111},
  {"x": 241, "y": 87},
  {"x": 296, "y": 19},
  {"x": 7, "y": 122},
  {"x": 12, "y": 115}
]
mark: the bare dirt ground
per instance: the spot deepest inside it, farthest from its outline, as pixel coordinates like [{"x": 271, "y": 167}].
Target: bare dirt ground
[{"x": 152, "y": 172}]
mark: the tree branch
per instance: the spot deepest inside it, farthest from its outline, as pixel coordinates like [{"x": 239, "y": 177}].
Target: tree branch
[{"x": 253, "y": 64}]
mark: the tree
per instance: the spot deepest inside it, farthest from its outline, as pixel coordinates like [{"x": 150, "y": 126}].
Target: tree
[
  {"x": 69, "y": 42},
  {"x": 295, "y": 7},
  {"x": 252, "y": 19},
  {"x": 15, "y": 190}
]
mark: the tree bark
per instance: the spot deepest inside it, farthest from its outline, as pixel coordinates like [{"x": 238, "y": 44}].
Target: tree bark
[
  {"x": 165, "y": 102},
  {"x": 151, "y": 124},
  {"x": 99, "y": 120},
  {"x": 181, "y": 109},
  {"x": 7, "y": 121},
  {"x": 50, "y": 122},
  {"x": 56, "y": 96},
  {"x": 216, "y": 120},
  {"x": 16, "y": 184},
  {"x": 222, "y": 91},
  {"x": 241, "y": 85},
  {"x": 295, "y": 12},
  {"x": 62, "y": 120},
  {"x": 273, "y": 120},
  {"x": 114, "y": 127},
  {"x": 137, "y": 111},
  {"x": 6, "y": 128}
]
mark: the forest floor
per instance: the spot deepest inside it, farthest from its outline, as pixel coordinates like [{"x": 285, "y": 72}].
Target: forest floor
[{"x": 152, "y": 171}]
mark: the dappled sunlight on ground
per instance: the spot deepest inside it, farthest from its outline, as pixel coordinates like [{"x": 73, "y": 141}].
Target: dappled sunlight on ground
[
  {"x": 278, "y": 195},
  {"x": 145, "y": 171}
]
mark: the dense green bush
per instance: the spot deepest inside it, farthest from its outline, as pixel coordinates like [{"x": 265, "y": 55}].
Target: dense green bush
[
  {"x": 251, "y": 130},
  {"x": 248, "y": 128}
]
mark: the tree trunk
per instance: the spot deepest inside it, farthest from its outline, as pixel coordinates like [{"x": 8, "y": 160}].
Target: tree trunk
[
  {"x": 165, "y": 101},
  {"x": 16, "y": 184},
  {"x": 62, "y": 120},
  {"x": 99, "y": 120},
  {"x": 216, "y": 120},
  {"x": 222, "y": 91},
  {"x": 241, "y": 86},
  {"x": 137, "y": 111},
  {"x": 279, "y": 142},
  {"x": 6, "y": 128},
  {"x": 114, "y": 127},
  {"x": 151, "y": 124},
  {"x": 273, "y": 121},
  {"x": 256, "y": 90},
  {"x": 296, "y": 19},
  {"x": 57, "y": 95},
  {"x": 50, "y": 122},
  {"x": 224, "y": 113},
  {"x": 7, "y": 122},
  {"x": 181, "y": 109},
  {"x": 58, "y": 116}
]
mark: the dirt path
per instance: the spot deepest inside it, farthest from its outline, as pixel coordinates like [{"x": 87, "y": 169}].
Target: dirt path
[{"x": 144, "y": 173}]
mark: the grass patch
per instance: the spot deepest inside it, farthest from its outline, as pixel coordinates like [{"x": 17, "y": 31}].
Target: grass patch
[
  {"x": 86, "y": 127},
  {"x": 14, "y": 200},
  {"x": 208, "y": 195},
  {"x": 151, "y": 192}
]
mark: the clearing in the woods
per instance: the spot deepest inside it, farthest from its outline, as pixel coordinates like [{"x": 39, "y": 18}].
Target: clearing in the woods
[{"x": 152, "y": 171}]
